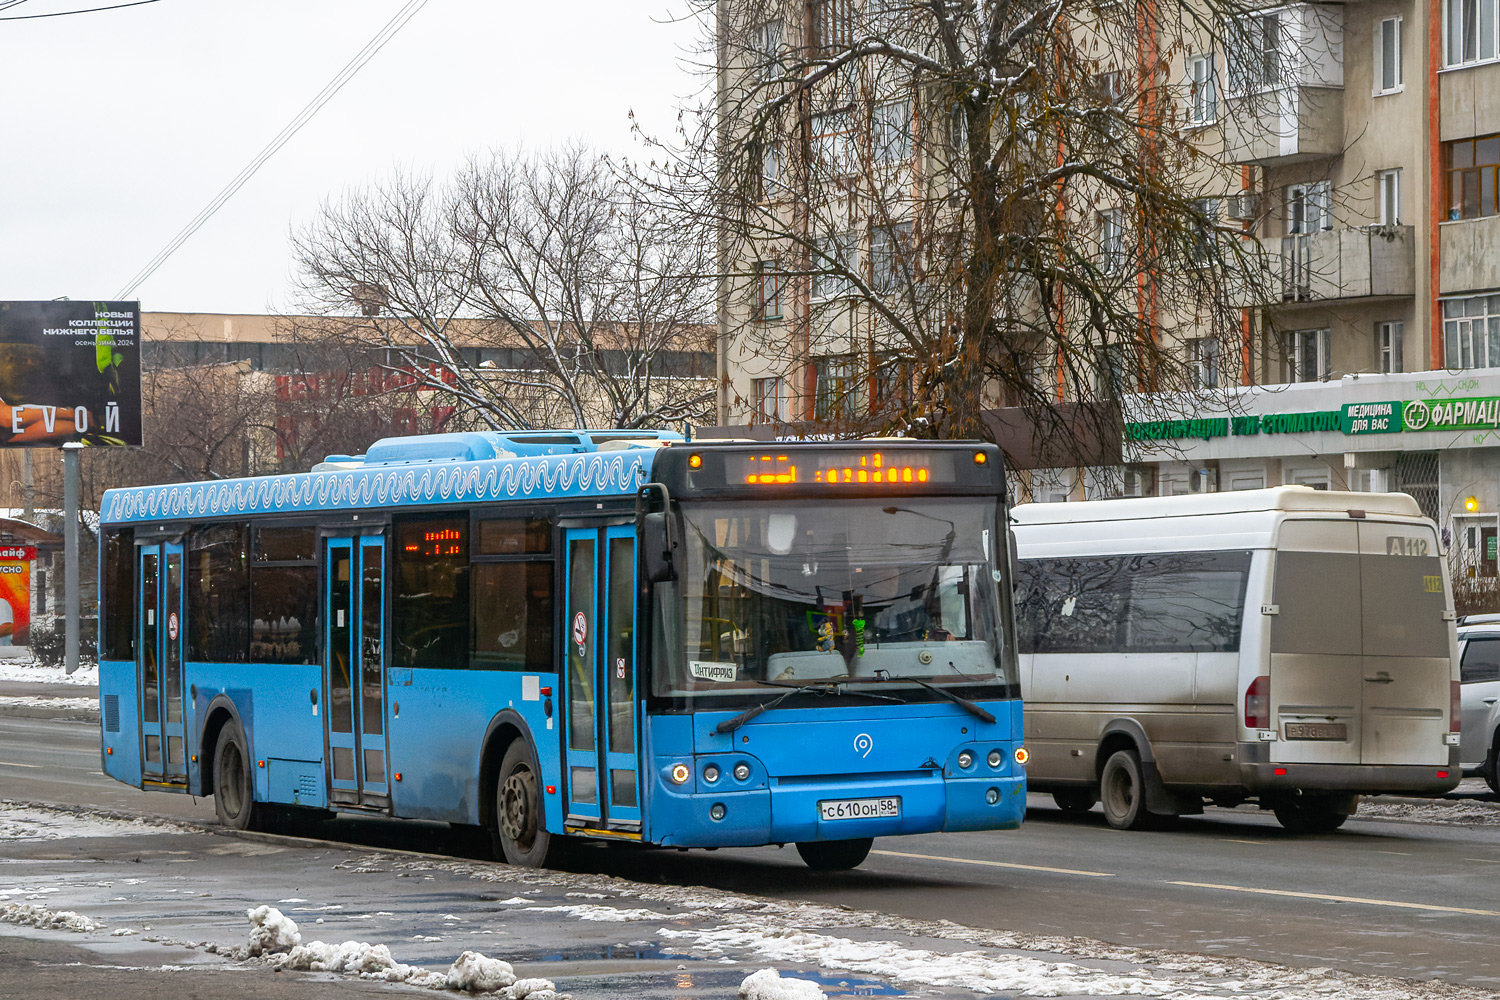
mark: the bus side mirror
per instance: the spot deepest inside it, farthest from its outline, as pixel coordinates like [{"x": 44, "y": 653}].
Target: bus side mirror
[
  {"x": 1015, "y": 562},
  {"x": 656, "y": 548}
]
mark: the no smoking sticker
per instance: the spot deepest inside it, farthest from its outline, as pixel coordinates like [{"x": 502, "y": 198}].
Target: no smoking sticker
[
  {"x": 620, "y": 668},
  {"x": 172, "y": 626},
  {"x": 580, "y": 628}
]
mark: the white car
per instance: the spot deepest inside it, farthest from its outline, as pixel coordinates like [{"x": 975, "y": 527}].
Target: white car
[{"x": 1479, "y": 671}]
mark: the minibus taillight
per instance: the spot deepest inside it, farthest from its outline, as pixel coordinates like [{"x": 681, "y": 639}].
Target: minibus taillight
[
  {"x": 1455, "y": 706},
  {"x": 1258, "y": 703}
]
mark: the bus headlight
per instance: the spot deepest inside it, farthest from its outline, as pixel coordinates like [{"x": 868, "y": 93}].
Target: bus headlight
[
  {"x": 1022, "y": 756},
  {"x": 742, "y": 771},
  {"x": 711, "y": 773},
  {"x": 965, "y": 760},
  {"x": 995, "y": 758},
  {"x": 680, "y": 774}
]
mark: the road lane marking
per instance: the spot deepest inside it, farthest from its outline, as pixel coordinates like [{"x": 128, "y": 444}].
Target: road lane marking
[
  {"x": 1484, "y": 861},
  {"x": 1341, "y": 899},
  {"x": 6, "y": 763},
  {"x": 1255, "y": 843},
  {"x": 1404, "y": 854},
  {"x": 995, "y": 864}
]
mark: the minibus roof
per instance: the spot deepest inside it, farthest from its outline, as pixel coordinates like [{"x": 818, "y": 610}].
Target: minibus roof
[{"x": 1277, "y": 499}]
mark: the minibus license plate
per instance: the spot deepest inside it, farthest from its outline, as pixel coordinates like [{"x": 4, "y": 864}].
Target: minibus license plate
[
  {"x": 1316, "y": 731},
  {"x": 883, "y": 808}
]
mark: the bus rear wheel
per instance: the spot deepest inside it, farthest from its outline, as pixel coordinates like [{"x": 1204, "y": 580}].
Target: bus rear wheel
[
  {"x": 1122, "y": 789},
  {"x": 520, "y": 836},
  {"x": 834, "y": 855},
  {"x": 234, "y": 793}
]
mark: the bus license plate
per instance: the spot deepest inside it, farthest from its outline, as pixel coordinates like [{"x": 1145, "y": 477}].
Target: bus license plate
[
  {"x": 884, "y": 808},
  {"x": 1316, "y": 731}
]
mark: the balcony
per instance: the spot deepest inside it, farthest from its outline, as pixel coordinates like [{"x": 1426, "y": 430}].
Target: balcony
[
  {"x": 1469, "y": 255},
  {"x": 1357, "y": 263},
  {"x": 1286, "y": 125}
]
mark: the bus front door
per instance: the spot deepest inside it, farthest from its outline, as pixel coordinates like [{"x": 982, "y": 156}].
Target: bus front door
[
  {"x": 354, "y": 670},
  {"x": 159, "y": 663},
  {"x": 602, "y": 761}
]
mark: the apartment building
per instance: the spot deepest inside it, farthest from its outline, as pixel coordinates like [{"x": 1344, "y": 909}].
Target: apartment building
[{"x": 1361, "y": 143}]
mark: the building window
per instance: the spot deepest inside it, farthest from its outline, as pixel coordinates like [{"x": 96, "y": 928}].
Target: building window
[
  {"x": 833, "y": 143},
  {"x": 1202, "y": 99},
  {"x": 769, "y": 283},
  {"x": 1388, "y": 335},
  {"x": 1473, "y": 177},
  {"x": 1470, "y": 31},
  {"x": 1309, "y": 208},
  {"x": 769, "y": 397},
  {"x": 890, "y": 132},
  {"x": 1111, "y": 242},
  {"x": 1471, "y": 332},
  {"x": 1203, "y": 359},
  {"x": 1255, "y": 54},
  {"x": 765, "y": 49},
  {"x": 890, "y": 257},
  {"x": 890, "y": 382},
  {"x": 1111, "y": 373},
  {"x": 1388, "y": 57},
  {"x": 833, "y": 25},
  {"x": 1206, "y": 218},
  {"x": 770, "y": 170},
  {"x": 834, "y": 261},
  {"x": 1388, "y": 197},
  {"x": 837, "y": 388},
  {"x": 1306, "y": 354},
  {"x": 1108, "y": 87}
]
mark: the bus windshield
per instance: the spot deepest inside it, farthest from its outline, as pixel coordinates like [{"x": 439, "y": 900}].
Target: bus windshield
[{"x": 854, "y": 593}]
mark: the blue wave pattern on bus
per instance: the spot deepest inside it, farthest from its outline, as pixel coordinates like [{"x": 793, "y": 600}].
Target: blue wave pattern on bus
[{"x": 495, "y": 479}]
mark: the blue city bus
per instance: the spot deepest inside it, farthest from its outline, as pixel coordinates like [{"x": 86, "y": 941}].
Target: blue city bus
[{"x": 553, "y": 635}]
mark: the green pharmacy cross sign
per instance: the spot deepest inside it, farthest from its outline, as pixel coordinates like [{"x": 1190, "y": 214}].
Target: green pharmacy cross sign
[{"x": 1390, "y": 417}]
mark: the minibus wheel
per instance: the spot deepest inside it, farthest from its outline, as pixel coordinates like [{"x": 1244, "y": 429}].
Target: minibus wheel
[
  {"x": 1490, "y": 771},
  {"x": 1074, "y": 800},
  {"x": 834, "y": 855},
  {"x": 234, "y": 794},
  {"x": 1309, "y": 815},
  {"x": 1122, "y": 790},
  {"x": 521, "y": 838}
]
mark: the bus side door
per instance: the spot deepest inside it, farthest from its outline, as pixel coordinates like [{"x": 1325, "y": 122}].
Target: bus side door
[
  {"x": 159, "y": 568},
  {"x": 354, "y": 669},
  {"x": 602, "y": 772}
]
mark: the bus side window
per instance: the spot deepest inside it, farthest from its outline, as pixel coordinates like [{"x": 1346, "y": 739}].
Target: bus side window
[{"x": 117, "y": 609}]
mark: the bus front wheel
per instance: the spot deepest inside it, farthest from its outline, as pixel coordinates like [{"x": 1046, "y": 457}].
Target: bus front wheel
[
  {"x": 521, "y": 838},
  {"x": 834, "y": 855},
  {"x": 1122, "y": 789},
  {"x": 234, "y": 793}
]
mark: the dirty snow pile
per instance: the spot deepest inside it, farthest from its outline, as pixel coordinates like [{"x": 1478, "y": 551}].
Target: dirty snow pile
[
  {"x": 29, "y": 672},
  {"x": 274, "y": 935},
  {"x": 62, "y": 704},
  {"x": 767, "y": 984},
  {"x": 42, "y": 918},
  {"x": 32, "y": 823}
]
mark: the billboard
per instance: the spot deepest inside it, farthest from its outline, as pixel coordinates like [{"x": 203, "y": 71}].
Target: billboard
[
  {"x": 15, "y": 594},
  {"x": 70, "y": 371}
]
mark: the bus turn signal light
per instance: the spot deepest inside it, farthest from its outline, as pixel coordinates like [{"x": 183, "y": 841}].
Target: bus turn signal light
[
  {"x": 1022, "y": 756},
  {"x": 696, "y": 461},
  {"x": 680, "y": 773},
  {"x": 980, "y": 458}
]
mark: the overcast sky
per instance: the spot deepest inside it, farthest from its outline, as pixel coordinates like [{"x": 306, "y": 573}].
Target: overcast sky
[{"x": 119, "y": 126}]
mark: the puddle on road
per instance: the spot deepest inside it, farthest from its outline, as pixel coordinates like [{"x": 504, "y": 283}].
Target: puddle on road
[{"x": 716, "y": 983}]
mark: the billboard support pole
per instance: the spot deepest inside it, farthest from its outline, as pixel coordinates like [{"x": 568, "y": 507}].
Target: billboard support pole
[{"x": 70, "y": 552}]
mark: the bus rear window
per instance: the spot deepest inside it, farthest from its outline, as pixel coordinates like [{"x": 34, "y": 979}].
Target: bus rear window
[
  {"x": 430, "y": 614},
  {"x": 116, "y": 634}
]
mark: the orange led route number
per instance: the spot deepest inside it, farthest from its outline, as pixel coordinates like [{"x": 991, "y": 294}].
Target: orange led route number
[{"x": 767, "y": 470}]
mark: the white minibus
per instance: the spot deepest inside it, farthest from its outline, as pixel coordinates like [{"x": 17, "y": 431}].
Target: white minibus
[{"x": 1289, "y": 647}]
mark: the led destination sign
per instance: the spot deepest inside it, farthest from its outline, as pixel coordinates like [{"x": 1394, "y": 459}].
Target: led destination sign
[{"x": 840, "y": 468}]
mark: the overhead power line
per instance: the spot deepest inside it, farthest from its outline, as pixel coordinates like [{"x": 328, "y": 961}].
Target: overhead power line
[
  {"x": 301, "y": 118},
  {"x": 65, "y": 13}
]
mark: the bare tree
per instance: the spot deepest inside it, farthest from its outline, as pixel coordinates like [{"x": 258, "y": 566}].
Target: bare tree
[
  {"x": 929, "y": 208},
  {"x": 530, "y": 290}
]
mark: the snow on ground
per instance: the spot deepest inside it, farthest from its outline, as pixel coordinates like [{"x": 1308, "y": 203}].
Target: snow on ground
[
  {"x": 768, "y": 984},
  {"x": 29, "y": 671},
  {"x": 27, "y": 915},
  {"x": 62, "y": 704},
  {"x": 606, "y": 914},
  {"x": 31, "y": 823}
]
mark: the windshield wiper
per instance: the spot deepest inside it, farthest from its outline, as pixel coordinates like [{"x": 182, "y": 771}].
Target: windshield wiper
[
  {"x": 825, "y": 688},
  {"x": 957, "y": 699},
  {"x": 730, "y": 725}
]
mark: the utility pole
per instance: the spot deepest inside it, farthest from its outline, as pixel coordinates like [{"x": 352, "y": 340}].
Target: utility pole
[{"x": 70, "y": 553}]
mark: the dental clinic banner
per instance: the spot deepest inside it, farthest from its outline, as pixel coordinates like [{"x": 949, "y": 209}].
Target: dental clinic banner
[{"x": 70, "y": 371}]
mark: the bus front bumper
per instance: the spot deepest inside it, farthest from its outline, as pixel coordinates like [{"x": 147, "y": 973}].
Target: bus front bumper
[{"x": 791, "y": 810}]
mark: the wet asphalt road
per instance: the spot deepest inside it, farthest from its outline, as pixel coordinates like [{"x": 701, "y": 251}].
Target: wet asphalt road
[{"x": 1405, "y": 899}]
